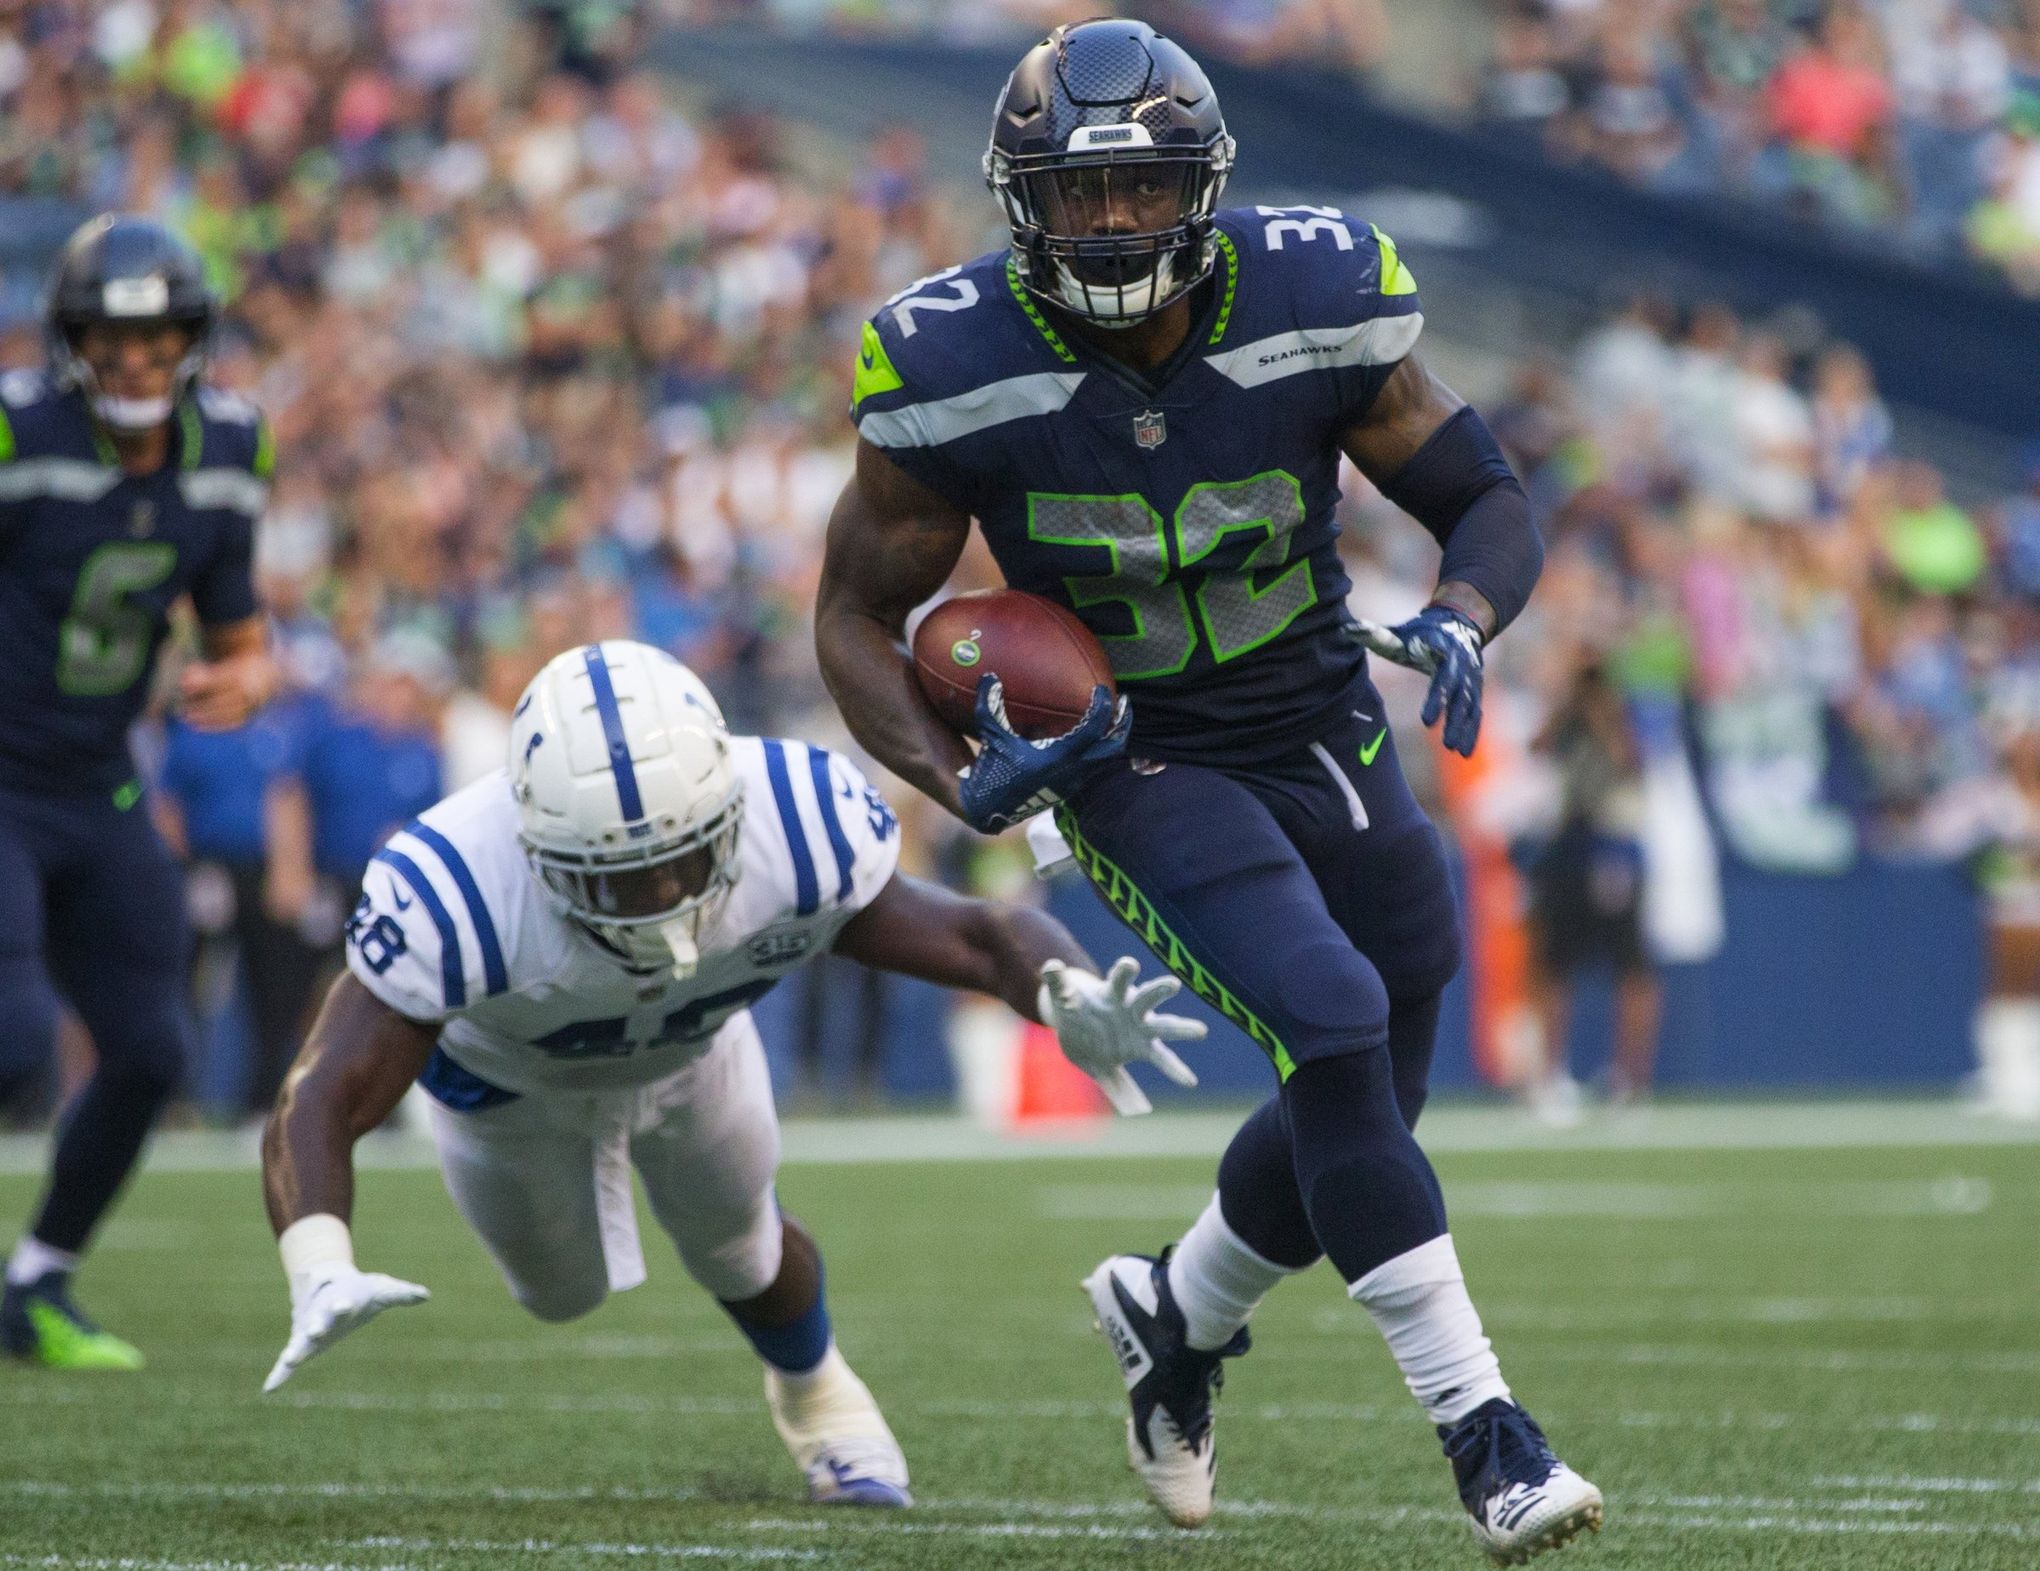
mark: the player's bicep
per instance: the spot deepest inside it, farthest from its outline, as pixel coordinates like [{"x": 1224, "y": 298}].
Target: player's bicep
[
  {"x": 892, "y": 542},
  {"x": 1405, "y": 414},
  {"x": 223, "y": 592},
  {"x": 359, "y": 1058}
]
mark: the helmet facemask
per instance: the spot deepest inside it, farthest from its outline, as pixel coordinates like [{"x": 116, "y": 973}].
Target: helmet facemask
[
  {"x": 1114, "y": 228},
  {"x": 651, "y": 903}
]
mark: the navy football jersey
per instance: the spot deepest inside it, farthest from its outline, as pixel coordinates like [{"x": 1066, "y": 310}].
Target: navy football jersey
[
  {"x": 1186, "y": 516},
  {"x": 93, "y": 558}
]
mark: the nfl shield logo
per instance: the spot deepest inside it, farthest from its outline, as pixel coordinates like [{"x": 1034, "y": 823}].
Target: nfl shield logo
[{"x": 1150, "y": 429}]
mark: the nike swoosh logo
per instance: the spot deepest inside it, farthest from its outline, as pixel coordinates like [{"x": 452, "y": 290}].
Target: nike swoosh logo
[
  {"x": 402, "y": 903},
  {"x": 868, "y": 360},
  {"x": 1369, "y": 749}
]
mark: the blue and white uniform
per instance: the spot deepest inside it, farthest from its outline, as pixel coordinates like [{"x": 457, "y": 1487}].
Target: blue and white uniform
[{"x": 559, "y": 1066}]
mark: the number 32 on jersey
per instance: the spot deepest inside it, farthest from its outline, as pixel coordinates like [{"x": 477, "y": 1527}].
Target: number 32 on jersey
[{"x": 1145, "y": 558}]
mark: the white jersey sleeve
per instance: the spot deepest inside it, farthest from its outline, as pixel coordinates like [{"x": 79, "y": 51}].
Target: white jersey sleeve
[
  {"x": 427, "y": 936},
  {"x": 838, "y": 842}
]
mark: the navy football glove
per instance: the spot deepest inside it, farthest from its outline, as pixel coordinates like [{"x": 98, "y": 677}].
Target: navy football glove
[
  {"x": 1446, "y": 647},
  {"x": 1013, "y": 778}
]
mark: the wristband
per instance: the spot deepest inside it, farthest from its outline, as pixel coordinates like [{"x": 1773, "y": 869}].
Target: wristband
[{"x": 309, "y": 1245}]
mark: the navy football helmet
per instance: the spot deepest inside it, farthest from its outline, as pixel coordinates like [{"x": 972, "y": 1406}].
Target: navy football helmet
[
  {"x": 123, "y": 269},
  {"x": 1109, "y": 153}
]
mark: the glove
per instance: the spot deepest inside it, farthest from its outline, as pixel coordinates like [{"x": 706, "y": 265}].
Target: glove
[
  {"x": 1446, "y": 647},
  {"x": 1105, "y": 1023},
  {"x": 329, "y": 1297},
  {"x": 1013, "y": 778}
]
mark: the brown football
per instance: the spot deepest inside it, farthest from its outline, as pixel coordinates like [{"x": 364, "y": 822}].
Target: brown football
[{"x": 1046, "y": 659}]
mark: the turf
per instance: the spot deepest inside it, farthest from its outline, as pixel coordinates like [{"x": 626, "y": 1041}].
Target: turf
[{"x": 1770, "y": 1359}]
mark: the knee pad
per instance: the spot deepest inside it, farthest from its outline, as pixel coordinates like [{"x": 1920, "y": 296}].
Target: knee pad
[
  {"x": 1329, "y": 1001},
  {"x": 557, "y": 1302},
  {"x": 733, "y": 1258}
]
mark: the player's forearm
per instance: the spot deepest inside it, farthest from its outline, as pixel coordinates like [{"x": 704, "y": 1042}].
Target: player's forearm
[
  {"x": 872, "y": 680},
  {"x": 1014, "y": 943},
  {"x": 1459, "y": 486},
  {"x": 356, "y": 1065}
]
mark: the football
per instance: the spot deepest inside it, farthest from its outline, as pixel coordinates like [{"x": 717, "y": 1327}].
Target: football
[{"x": 1048, "y": 661}]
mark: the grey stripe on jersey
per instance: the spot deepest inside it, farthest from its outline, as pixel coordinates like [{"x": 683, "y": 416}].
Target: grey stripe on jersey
[
  {"x": 942, "y": 420},
  {"x": 1382, "y": 340},
  {"x": 234, "y": 489},
  {"x": 67, "y": 479}
]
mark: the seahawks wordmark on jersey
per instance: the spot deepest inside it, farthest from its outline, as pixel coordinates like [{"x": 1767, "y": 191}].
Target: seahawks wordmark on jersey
[
  {"x": 1185, "y": 515},
  {"x": 453, "y": 926}
]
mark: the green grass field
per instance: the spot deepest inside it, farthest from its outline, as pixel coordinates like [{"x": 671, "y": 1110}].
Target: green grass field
[{"x": 1767, "y": 1358}]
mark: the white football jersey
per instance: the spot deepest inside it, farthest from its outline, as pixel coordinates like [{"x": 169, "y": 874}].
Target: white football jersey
[{"x": 454, "y": 926}]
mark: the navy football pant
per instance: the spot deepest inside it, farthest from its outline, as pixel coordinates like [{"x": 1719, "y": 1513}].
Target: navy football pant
[
  {"x": 91, "y": 899},
  {"x": 1308, "y": 900}
]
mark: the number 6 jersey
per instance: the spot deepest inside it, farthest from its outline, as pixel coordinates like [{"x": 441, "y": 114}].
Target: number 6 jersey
[
  {"x": 454, "y": 927},
  {"x": 1185, "y": 515},
  {"x": 92, "y": 559}
]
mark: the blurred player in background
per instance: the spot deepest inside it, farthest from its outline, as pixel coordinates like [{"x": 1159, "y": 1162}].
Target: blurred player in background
[
  {"x": 125, "y": 487},
  {"x": 1144, "y": 403},
  {"x": 567, "y": 951}
]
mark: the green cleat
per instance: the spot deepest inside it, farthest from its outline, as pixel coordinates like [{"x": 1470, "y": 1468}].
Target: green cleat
[{"x": 40, "y": 1325}]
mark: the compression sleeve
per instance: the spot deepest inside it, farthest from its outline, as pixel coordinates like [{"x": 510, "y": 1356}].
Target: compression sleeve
[{"x": 1460, "y": 487}]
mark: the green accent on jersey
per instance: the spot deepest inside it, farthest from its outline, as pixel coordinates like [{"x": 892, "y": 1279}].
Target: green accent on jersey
[
  {"x": 194, "y": 434},
  {"x": 1369, "y": 749},
  {"x": 1062, "y": 350},
  {"x": 1395, "y": 278},
  {"x": 264, "y": 464},
  {"x": 1232, "y": 285},
  {"x": 64, "y": 1343},
  {"x": 6, "y": 436},
  {"x": 125, "y": 797},
  {"x": 1138, "y": 913},
  {"x": 875, "y": 373}
]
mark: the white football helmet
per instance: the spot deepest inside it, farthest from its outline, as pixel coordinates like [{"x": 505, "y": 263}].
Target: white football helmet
[{"x": 629, "y": 804}]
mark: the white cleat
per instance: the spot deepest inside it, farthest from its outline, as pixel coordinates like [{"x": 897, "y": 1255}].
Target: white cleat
[
  {"x": 1170, "y": 1384},
  {"x": 1522, "y": 1500},
  {"x": 837, "y": 1435}
]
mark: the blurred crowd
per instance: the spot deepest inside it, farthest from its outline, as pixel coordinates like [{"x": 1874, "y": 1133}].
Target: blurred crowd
[
  {"x": 548, "y": 358},
  {"x": 1918, "y": 118},
  {"x": 552, "y": 355}
]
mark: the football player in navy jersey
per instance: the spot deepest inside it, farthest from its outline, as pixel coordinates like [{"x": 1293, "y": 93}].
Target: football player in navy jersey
[
  {"x": 125, "y": 487},
  {"x": 1143, "y": 402}
]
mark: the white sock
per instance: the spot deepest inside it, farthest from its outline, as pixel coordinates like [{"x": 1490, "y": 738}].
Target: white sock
[
  {"x": 1218, "y": 1281},
  {"x": 33, "y": 1260},
  {"x": 1419, "y": 1303}
]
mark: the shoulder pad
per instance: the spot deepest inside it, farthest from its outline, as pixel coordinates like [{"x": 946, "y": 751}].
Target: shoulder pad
[
  {"x": 21, "y": 392},
  {"x": 1317, "y": 290},
  {"x": 235, "y": 432},
  {"x": 21, "y": 388},
  {"x": 438, "y": 903},
  {"x": 954, "y": 353},
  {"x": 835, "y": 840}
]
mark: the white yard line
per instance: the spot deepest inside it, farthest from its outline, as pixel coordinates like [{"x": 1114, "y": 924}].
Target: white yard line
[
  {"x": 547, "y": 1546},
  {"x": 1783, "y": 1125},
  {"x": 138, "y": 1563}
]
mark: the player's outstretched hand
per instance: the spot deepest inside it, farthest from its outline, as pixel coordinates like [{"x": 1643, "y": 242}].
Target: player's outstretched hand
[
  {"x": 1106, "y": 1022},
  {"x": 1013, "y": 778},
  {"x": 219, "y": 695},
  {"x": 337, "y": 1300},
  {"x": 1446, "y": 647}
]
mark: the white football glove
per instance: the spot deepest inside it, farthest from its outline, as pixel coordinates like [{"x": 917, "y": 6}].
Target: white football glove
[
  {"x": 329, "y": 1296},
  {"x": 1105, "y": 1023}
]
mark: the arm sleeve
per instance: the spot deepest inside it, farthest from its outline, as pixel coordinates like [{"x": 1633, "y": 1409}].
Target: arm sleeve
[
  {"x": 1461, "y": 488},
  {"x": 225, "y": 591}
]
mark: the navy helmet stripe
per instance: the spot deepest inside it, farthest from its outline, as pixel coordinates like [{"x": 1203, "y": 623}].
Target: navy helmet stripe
[
  {"x": 825, "y": 793},
  {"x": 612, "y": 732},
  {"x": 452, "y": 977},
  {"x": 493, "y": 971},
  {"x": 807, "y": 894}
]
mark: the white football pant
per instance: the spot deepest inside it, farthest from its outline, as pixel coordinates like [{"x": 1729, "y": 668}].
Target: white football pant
[{"x": 545, "y": 1180}]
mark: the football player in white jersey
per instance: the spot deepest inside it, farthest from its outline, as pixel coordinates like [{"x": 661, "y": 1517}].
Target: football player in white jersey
[{"x": 564, "y": 955}]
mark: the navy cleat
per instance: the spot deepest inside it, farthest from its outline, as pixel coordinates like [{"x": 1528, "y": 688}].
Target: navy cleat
[
  {"x": 1522, "y": 1499},
  {"x": 1169, "y": 1440},
  {"x": 40, "y": 1324}
]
